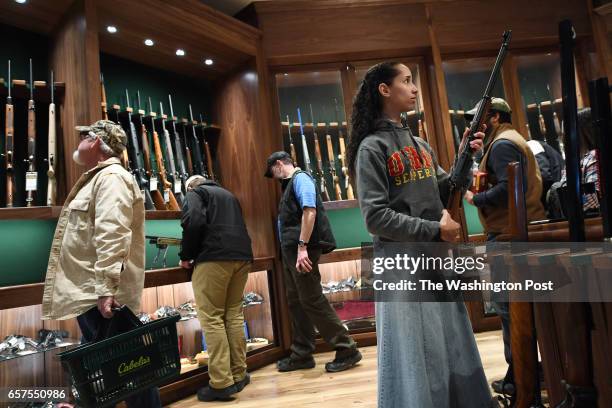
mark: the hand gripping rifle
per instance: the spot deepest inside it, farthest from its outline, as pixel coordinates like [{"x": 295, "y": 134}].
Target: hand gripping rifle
[
  {"x": 322, "y": 186},
  {"x": 460, "y": 174},
  {"x": 307, "y": 166},
  {"x": 51, "y": 181},
  {"x": 9, "y": 145}
]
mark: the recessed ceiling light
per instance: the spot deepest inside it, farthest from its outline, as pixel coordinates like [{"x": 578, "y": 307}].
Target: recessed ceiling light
[
  {"x": 111, "y": 29},
  {"x": 20, "y": 1},
  {"x": 149, "y": 42},
  {"x": 208, "y": 61},
  {"x": 286, "y": 74},
  {"x": 180, "y": 52}
]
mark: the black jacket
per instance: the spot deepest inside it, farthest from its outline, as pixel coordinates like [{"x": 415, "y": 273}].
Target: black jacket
[
  {"x": 290, "y": 216},
  {"x": 213, "y": 227}
]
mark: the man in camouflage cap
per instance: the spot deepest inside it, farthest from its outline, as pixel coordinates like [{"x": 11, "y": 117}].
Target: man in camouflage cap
[
  {"x": 98, "y": 252},
  {"x": 502, "y": 146}
]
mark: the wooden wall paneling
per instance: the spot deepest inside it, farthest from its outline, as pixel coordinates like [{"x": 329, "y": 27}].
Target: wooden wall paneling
[
  {"x": 444, "y": 133},
  {"x": 183, "y": 292},
  {"x": 165, "y": 296},
  {"x": 75, "y": 60},
  {"x": 513, "y": 94},
  {"x": 428, "y": 107},
  {"x": 259, "y": 317},
  {"x": 149, "y": 303},
  {"x": 40, "y": 16},
  {"x": 309, "y": 34},
  {"x": 455, "y": 22},
  {"x": 601, "y": 40}
]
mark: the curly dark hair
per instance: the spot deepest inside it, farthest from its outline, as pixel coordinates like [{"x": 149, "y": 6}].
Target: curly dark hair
[{"x": 367, "y": 107}]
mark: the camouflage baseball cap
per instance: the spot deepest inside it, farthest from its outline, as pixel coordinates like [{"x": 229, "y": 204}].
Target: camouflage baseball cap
[
  {"x": 497, "y": 104},
  {"x": 109, "y": 132}
]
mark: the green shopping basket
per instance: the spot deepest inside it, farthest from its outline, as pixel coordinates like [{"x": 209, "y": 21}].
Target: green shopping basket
[{"x": 106, "y": 372}]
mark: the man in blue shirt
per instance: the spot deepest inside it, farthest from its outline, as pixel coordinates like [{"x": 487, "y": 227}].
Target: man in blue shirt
[{"x": 305, "y": 234}]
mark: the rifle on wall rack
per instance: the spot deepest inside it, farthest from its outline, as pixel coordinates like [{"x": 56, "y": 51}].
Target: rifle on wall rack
[
  {"x": 135, "y": 160},
  {"x": 31, "y": 174},
  {"x": 291, "y": 145},
  {"x": 178, "y": 147},
  {"x": 459, "y": 177},
  {"x": 209, "y": 160},
  {"x": 347, "y": 183},
  {"x": 196, "y": 149},
  {"x": 321, "y": 173},
  {"x": 420, "y": 121},
  {"x": 188, "y": 155},
  {"x": 307, "y": 166},
  {"x": 51, "y": 154},
  {"x": 9, "y": 143},
  {"x": 332, "y": 164},
  {"x": 174, "y": 177},
  {"x": 103, "y": 103},
  {"x": 169, "y": 198}
]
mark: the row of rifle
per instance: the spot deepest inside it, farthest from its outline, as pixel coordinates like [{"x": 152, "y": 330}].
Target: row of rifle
[
  {"x": 319, "y": 172},
  {"x": 162, "y": 164},
  {"x": 9, "y": 154}
]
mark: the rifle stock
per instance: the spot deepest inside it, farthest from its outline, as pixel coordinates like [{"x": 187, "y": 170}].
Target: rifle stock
[
  {"x": 168, "y": 198},
  {"x": 332, "y": 166},
  {"x": 291, "y": 145},
  {"x": 180, "y": 158},
  {"x": 103, "y": 103},
  {"x": 347, "y": 183},
  {"x": 9, "y": 141},
  {"x": 31, "y": 175},
  {"x": 51, "y": 183},
  {"x": 207, "y": 153}
]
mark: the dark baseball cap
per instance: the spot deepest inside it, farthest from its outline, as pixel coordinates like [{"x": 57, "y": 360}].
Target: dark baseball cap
[{"x": 274, "y": 157}]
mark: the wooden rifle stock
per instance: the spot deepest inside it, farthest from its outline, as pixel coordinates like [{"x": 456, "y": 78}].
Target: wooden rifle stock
[
  {"x": 9, "y": 143},
  {"x": 209, "y": 162},
  {"x": 323, "y": 185},
  {"x": 51, "y": 183},
  {"x": 187, "y": 151},
  {"x": 103, "y": 103},
  {"x": 158, "y": 199},
  {"x": 291, "y": 145},
  {"x": 166, "y": 185},
  {"x": 31, "y": 149},
  {"x": 332, "y": 167},
  {"x": 347, "y": 183}
]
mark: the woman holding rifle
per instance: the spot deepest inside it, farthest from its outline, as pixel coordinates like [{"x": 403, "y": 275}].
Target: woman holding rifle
[{"x": 427, "y": 355}]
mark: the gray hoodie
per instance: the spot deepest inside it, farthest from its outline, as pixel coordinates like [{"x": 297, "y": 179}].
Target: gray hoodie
[{"x": 400, "y": 185}]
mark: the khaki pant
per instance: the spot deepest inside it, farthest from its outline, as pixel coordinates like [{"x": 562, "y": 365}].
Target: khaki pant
[{"x": 218, "y": 288}]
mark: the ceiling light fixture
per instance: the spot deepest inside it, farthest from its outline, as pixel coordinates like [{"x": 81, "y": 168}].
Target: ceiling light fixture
[
  {"x": 111, "y": 29},
  {"x": 208, "y": 61},
  {"x": 180, "y": 52},
  {"x": 149, "y": 42},
  {"x": 20, "y": 1}
]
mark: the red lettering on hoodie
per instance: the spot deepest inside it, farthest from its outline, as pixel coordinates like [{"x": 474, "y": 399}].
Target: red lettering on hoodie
[
  {"x": 413, "y": 156},
  {"x": 395, "y": 165}
]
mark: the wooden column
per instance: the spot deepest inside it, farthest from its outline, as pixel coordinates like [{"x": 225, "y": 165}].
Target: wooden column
[
  {"x": 513, "y": 95},
  {"x": 444, "y": 129},
  {"x": 75, "y": 59},
  {"x": 600, "y": 38},
  {"x": 349, "y": 88}
]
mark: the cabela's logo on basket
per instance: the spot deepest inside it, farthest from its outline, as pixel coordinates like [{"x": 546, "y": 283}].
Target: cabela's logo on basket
[{"x": 125, "y": 368}]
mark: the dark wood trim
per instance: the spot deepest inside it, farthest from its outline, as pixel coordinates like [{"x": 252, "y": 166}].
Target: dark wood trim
[
  {"x": 22, "y": 295},
  {"x": 340, "y": 204},
  {"x": 339, "y": 255},
  {"x": 30, "y": 213}
]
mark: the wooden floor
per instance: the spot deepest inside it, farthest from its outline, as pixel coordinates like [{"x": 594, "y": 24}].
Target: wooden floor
[{"x": 317, "y": 388}]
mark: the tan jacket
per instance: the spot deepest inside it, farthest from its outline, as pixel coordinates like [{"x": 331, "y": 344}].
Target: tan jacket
[
  {"x": 496, "y": 219},
  {"x": 98, "y": 248}
]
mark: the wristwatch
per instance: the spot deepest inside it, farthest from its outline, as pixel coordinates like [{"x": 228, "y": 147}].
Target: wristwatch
[{"x": 302, "y": 244}]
